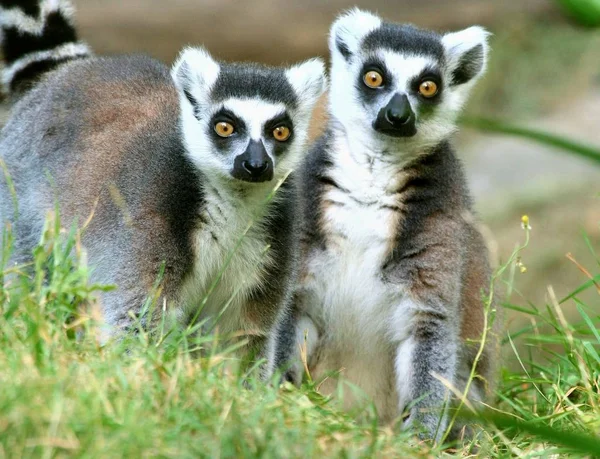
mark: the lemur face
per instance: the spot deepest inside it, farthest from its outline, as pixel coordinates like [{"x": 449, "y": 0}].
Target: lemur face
[
  {"x": 400, "y": 82},
  {"x": 245, "y": 122}
]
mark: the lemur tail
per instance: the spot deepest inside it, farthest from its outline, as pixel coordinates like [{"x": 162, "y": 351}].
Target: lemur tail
[{"x": 36, "y": 36}]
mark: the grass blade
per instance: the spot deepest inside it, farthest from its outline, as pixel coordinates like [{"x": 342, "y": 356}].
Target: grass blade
[
  {"x": 589, "y": 322},
  {"x": 575, "y": 441},
  {"x": 581, "y": 288},
  {"x": 498, "y": 127}
]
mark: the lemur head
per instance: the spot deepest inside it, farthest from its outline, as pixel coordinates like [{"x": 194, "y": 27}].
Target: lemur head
[
  {"x": 245, "y": 122},
  {"x": 401, "y": 83}
]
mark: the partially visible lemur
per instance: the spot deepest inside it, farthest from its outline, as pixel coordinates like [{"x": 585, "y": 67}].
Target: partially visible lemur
[
  {"x": 394, "y": 269},
  {"x": 172, "y": 167}
]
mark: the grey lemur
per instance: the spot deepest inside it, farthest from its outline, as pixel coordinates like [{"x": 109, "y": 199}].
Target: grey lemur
[
  {"x": 171, "y": 165},
  {"x": 394, "y": 269}
]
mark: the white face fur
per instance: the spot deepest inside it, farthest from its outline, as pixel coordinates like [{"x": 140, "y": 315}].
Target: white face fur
[
  {"x": 245, "y": 123},
  {"x": 423, "y": 76}
]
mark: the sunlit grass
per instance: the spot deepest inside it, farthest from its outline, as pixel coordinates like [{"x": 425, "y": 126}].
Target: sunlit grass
[{"x": 64, "y": 394}]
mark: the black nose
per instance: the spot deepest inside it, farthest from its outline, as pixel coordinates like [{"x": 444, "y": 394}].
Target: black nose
[
  {"x": 254, "y": 165},
  {"x": 396, "y": 119},
  {"x": 398, "y": 110},
  {"x": 255, "y": 168}
]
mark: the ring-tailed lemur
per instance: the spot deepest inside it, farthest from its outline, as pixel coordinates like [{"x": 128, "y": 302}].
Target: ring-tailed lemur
[
  {"x": 394, "y": 269},
  {"x": 172, "y": 167}
]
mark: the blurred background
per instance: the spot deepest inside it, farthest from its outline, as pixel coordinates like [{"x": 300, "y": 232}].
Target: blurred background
[{"x": 544, "y": 73}]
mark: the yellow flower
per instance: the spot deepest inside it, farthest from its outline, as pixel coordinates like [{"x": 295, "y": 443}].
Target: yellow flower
[{"x": 525, "y": 222}]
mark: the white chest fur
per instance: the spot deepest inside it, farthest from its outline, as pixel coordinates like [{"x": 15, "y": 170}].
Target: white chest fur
[
  {"x": 359, "y": 314},
  {"x": 360, "y": 223},
  {"x": 231, "y": 254}
]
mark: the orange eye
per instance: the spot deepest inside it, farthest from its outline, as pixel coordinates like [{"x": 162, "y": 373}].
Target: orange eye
[
  {"x": 428, "y": 89},
  {"x": 224, "y": 129},
  {"x": 282, "y": 133},
  {"x": 373, "y": 79}
]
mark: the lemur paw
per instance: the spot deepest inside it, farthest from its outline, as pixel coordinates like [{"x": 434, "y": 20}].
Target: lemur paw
[
  {"x": 292, "y": 376},
  {"x": 428, "y": 426}
]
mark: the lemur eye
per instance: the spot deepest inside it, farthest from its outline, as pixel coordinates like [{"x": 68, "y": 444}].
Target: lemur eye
[
  {"x": 282, "y": 133},
  {"x": 373, "y": 79},
  {"x": 428, "y": 89},
  {"x": 224, "y": 129}
]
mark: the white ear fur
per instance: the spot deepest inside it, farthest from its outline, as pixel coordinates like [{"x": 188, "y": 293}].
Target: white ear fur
[
  {"x": 308, "y": 80},
  {"x": 349, "y": 29},
  {"x": 467, "y": 52},
  {"x": 194, "y": 73}
]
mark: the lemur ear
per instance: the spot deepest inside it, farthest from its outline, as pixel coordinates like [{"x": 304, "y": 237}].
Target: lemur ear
[
  {"x": 349, "y": 29},
  {"x": 309, "y": 81},
  {"x": 466, "y": 52},
  {"x": 194, "y": 73}
]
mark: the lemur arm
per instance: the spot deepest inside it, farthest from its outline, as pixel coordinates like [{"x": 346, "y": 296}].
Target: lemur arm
[
  {"x": 268, "y": 314},
  {"x": 269, "y": 308},
  {"x": 429, "y": 333},
  {"x": 429, "y": 351},
  {"x": 297, "y": 337}
]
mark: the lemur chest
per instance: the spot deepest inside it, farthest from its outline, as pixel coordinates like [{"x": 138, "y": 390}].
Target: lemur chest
[
  {"x": 361, "y": 208},
  {"x": 357, "y": 311},
  {"x": 230, "y": 261},
  {"x": 359, "y": 220}
]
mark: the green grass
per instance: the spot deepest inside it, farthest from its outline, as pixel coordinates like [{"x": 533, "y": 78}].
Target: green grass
[{"x": 62, "y": 394}]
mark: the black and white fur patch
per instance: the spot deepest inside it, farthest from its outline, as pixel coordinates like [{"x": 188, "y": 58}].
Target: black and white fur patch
[{"x": 36, "y": 37}]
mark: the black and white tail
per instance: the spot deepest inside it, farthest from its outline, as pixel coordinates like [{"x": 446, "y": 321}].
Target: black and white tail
[{"x": 36, "y": 37}]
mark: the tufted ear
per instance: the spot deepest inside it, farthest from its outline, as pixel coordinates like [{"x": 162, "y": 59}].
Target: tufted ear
[
  {"x": 349, "y": 29},
  {"x": 194, "y": 73},
  {"x": 309, "y": 81},
  {"x": 466, "y": 52}
]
